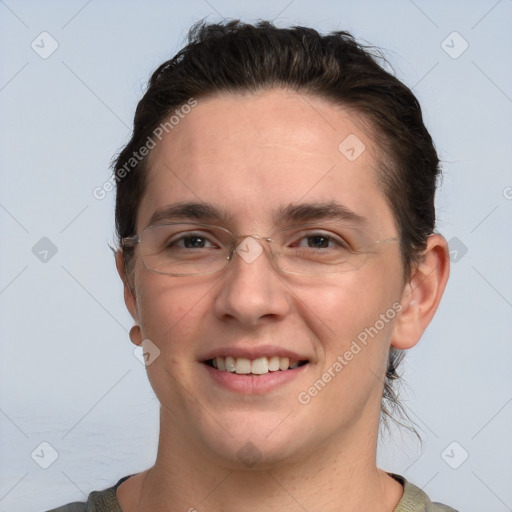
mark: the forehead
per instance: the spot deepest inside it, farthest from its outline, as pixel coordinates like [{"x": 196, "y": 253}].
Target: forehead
[{"x": 252, "y": 154}]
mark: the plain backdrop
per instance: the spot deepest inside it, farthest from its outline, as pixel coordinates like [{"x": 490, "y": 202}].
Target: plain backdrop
[{"x": 71, "y": 75}]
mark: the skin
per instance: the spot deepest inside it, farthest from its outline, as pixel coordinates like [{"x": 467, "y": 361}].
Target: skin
[{"x": 252, "y": 154}]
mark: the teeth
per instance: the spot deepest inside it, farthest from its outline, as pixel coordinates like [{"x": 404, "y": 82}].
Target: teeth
[
  {"x": 273, "y": 363},
  {"x": 260, "y": 366},
  {"x": 243, "y": 365},
  {"x": 230, "y": 364}
]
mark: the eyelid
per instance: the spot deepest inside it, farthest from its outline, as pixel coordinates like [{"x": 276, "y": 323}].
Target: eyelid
[
  {"x": 313, "y": 229},
  {"x": 200, "y": 231},
  {"x": 326, "y": 227},
  {"x": 185, "y": 223},
  {"x": 189, "y": 227},
  {"x": 341, "y": 230}
]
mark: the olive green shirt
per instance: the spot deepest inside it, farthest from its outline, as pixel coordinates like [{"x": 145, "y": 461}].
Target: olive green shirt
[{"x": 413, "y": 500}]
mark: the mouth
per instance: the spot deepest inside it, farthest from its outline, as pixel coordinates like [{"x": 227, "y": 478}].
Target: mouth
[{"x": 254, "y": 367}]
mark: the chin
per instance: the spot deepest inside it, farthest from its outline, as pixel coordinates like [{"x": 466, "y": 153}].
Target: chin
[
  {"x": 255, "y": 456},
  {"x": 254, "y": 443}
]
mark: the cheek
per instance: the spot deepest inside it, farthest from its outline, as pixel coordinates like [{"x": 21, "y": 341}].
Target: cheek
[
  {"x": 171, "y": 309},
  {"x": 352, "y": 322},
  {"x": 344, "y": 310},
  {"x": 171, "y": 313}
]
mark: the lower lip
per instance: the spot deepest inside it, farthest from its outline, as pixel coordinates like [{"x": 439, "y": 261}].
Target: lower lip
[{"x": 253, "y": 384}]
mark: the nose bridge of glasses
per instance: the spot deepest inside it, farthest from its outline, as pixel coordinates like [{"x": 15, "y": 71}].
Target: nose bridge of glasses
[{"x": 250, "y": 247}]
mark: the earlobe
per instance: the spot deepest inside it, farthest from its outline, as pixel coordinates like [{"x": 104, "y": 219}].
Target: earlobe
[
  {"x": 136, "y": 335},
  {"x": 422, "y": 294}
]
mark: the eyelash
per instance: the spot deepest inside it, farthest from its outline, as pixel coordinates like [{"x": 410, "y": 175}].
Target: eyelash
[{"x": 339, "y": 241}]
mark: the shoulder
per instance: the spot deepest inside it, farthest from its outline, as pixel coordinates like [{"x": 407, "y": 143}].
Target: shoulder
[
  {"x": 415, "y": 500},
  {"x": 97, "y": 501}
]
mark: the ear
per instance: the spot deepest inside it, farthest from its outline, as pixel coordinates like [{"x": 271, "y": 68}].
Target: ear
[
  {"x": 422, "y": 293},
  {"x": 129, "y": 291}
]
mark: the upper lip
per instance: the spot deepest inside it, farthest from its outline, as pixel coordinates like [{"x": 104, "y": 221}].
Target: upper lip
[{"x": 252, "y": 353}]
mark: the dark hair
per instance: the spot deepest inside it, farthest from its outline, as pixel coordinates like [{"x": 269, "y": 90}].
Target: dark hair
[{"x": 235, "y": 56}]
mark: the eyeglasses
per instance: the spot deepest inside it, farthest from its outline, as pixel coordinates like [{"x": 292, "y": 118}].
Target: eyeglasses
[{"x": 188, "y": 249}]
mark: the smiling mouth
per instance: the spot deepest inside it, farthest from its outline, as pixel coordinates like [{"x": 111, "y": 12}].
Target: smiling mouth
[{"x": 259, "y": 366}]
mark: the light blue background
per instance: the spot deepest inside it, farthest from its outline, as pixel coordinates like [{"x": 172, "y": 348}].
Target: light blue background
[{"x": 68, "y": 373}]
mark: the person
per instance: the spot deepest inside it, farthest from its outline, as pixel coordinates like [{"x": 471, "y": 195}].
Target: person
[{"x": 276, "y": 223}]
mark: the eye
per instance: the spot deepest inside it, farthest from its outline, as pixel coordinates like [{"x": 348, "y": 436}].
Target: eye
[
  {"x": 190, "y": 241},
  {"x": 318, "y": 241},
  {"x": 321, "y": 241}
]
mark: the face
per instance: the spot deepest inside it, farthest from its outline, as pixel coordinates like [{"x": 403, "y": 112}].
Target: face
[{"x": 250, "y": 157}]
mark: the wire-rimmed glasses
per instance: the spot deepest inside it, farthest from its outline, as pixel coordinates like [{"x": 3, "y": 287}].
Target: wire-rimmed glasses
[{"x": 188, "y": 249}]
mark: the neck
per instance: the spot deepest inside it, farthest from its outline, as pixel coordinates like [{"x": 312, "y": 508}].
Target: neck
[{"x": 341, "y": 476}]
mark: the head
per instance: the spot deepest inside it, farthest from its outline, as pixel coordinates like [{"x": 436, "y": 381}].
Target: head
[{"x": 253, "y": 119}]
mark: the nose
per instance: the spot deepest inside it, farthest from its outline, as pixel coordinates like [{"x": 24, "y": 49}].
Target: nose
[{"x": 251, "y": 291}]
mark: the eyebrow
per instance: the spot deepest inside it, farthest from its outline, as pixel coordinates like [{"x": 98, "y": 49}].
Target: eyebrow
[
  {"x": 300, "y": 213},
  {"x": 307, "y": 212},
  {"x": 185, "y": 211}
]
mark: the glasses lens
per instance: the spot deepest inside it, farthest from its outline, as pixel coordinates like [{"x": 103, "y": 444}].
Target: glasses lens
[
  {"x": 312, "y": 267},
  {"x": 184, "y": 249},
  {"x": 321, "y": 250}
]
